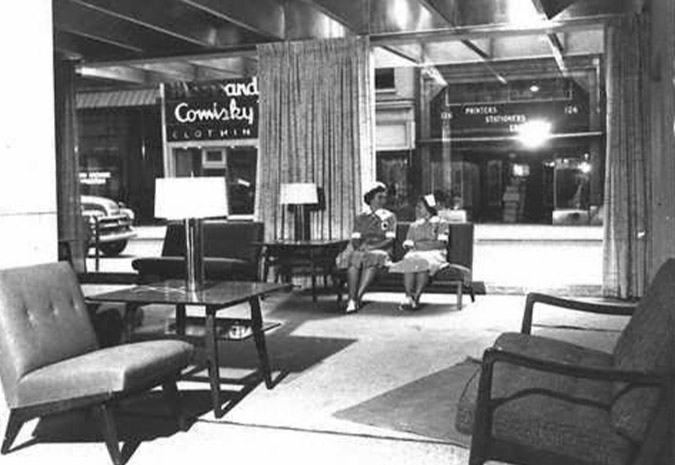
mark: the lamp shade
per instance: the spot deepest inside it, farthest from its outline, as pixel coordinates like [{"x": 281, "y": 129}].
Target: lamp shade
[
  {"x": 181, "y": 198},
  {"x": 298, "y": 193}
]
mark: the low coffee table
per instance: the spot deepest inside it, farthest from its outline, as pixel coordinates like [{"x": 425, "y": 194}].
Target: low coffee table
[{"x": 215, "y": 296}]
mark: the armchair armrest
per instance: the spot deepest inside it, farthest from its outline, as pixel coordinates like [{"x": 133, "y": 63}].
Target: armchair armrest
[
  {"x": 590, "y": 307},
  {"x": 495, "y": 354}
]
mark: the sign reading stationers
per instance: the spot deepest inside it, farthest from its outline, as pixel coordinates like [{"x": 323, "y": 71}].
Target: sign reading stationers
[{"x": 214, "y": 110}]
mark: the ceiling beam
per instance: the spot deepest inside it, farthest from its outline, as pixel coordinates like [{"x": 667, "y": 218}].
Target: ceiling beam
[
  {"x": 264, "y": 17},
  {"x": 406, "y": 55},
  {"x": 557, "y": 49},
  {"x": 105, "y": 40},
  {"x": 79, "y": 46},
  {"x": 451, "y": 16},
  {"x": 449, "y": 12},
  {"x": 232, "y": 66},
  {"x": 149, "y": 14},
  {"x": 304, "y": 20},
  {"x": 353, "y": 14},
  {"x": 352, "y": 18},
  {"x": 117, "y": 73},
  {"x": 247, "y": 52},
  {"x": 207, "y": 72},
  {"x": 186, "y": 71},
  {"x": 84, "y": 22},
  {"x": 492, "y": 31},
  {"x": 176, "y": 71}
]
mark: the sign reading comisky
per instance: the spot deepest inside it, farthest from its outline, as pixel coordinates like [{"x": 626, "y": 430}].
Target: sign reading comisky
[{"x": 214, "y": 110}]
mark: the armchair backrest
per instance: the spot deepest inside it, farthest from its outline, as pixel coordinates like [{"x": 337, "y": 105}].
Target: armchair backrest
[
  {"x": 646, "y": 344},
  {"x": 222, "y": 239},
  {"x": 43, "y": 320}
]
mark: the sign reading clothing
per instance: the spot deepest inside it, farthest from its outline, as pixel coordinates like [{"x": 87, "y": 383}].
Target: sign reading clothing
[{"x": 214, "y": 110}]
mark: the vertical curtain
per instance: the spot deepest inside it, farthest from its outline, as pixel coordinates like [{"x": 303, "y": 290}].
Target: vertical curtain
[
  {"x": 317, "y": 112},
  {"x": 627, "y": 191},
  {"x": 70, "y": 223}
]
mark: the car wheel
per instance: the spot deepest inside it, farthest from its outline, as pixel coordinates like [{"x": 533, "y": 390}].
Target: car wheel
[{"x": 112, "y": 249}]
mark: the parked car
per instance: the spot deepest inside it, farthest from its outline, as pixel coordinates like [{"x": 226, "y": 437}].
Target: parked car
[{"x": 114, "y": 223}]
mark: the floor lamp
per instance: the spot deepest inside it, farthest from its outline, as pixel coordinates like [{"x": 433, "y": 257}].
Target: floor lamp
[
  {"x": 191, "y": 200},
  {"x": 299, "y": 195}
]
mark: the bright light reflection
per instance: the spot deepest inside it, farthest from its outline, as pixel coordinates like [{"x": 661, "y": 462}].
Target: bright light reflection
[
  {"x": 534, "y": 133},
  {"x": 401, "y": 13},
  {"x": 523, "y": 13},
  {"x": 585, "y": 167}
]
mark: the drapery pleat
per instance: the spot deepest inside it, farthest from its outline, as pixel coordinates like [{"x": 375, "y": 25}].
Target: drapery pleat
[
  {"x": 69, "y": 214},
  {"x": 627, "y": 193},
  {"x": 316, "y": 125}
]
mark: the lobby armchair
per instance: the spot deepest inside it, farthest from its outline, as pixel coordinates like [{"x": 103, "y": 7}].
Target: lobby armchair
[
  {"x": 51, "y": 361},
  {"x": 541, "y": 400}
]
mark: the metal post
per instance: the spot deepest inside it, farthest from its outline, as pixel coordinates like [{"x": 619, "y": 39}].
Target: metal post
[
  {"x": 97, "y": 243},
  {"x": 194, "y": 257},
  {"x": 301, "y": 223}
]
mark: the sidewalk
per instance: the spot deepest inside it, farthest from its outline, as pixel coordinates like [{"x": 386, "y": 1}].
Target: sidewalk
[
  {"x": 510, "y": 259},
  {"x": 518, "y": 258}
]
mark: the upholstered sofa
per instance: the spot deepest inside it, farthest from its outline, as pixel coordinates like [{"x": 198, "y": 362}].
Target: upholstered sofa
[
  {"x": 538, "y": 400},
  {"x": 229, "y": 252},
  {"x": 456, "y": 278}
]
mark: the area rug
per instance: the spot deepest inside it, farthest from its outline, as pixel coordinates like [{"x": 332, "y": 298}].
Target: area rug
[{"x": 425, "y": 407}]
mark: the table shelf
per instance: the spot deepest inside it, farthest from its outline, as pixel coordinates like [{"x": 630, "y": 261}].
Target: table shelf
[{"x": 227, "y": 329}]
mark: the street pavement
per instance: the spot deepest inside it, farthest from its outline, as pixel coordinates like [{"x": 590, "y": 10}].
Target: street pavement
[{"x": 507, "y": 258}]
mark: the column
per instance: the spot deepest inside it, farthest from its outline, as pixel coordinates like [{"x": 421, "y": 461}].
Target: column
[{"x": 28, "y": 224}]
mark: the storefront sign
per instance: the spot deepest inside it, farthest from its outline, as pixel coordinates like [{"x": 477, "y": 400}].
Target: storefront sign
[
  {"x": 95, "y": 178},
  {"x": 216, "y": 110},
  {"x": 500, "y": 119}
]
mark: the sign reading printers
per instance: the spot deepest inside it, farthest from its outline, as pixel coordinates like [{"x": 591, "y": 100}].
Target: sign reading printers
[{"x": 214, "y": 110}]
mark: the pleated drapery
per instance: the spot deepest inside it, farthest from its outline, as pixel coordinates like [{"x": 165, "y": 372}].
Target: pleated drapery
[
  {"x": 316, "y": 125},
  {"x": 627, "y": 193},
  {"x": 70, "y": 224}
]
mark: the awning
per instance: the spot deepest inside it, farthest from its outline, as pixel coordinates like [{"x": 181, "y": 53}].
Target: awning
[{"x": 118, "y": 98}]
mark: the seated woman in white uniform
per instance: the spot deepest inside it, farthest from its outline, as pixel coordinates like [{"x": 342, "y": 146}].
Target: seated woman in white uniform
[
  {"x": 426, "y": 243},
  {"x": 371, "y": 246}
]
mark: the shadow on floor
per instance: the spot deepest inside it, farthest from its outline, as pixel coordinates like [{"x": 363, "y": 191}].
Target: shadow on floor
[
  {"x": 425, "y": 407},
  {"x": 143, "y": 418}
]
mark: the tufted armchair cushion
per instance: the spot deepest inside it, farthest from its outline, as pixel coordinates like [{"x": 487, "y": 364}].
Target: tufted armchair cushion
[
  {"x": 43, "y": 320},
  {"x": 122, "y": 368},
  {"x": 50, "y": 351}
]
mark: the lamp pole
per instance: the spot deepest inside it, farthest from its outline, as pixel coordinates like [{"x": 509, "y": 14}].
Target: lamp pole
[
  {"x": 194, "y": 257},
  {"x": 301, "y": 222}
]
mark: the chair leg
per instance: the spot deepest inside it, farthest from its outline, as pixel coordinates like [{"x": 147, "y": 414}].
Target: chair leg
[
  {"x": 472, "y": 293},
  {"x": 460, "y": 292},
  {"x": 14, "y": 425},
  {"x": 109, "y": 431},
  {"x": 172, "y": 397},
  {"x": 338, "y": 285}
]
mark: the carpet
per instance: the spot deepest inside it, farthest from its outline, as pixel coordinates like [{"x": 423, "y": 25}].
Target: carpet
[{"x": 425, "y": 407}]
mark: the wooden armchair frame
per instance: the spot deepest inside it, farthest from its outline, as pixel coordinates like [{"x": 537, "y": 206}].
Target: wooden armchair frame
[{"x": 484, "y": 447}]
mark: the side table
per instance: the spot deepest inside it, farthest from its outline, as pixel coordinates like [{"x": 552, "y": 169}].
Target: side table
[{"x": 288, "y": 255}]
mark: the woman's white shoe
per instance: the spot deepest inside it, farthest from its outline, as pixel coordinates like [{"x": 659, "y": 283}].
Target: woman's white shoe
[{"x": 351, "y": 307}]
